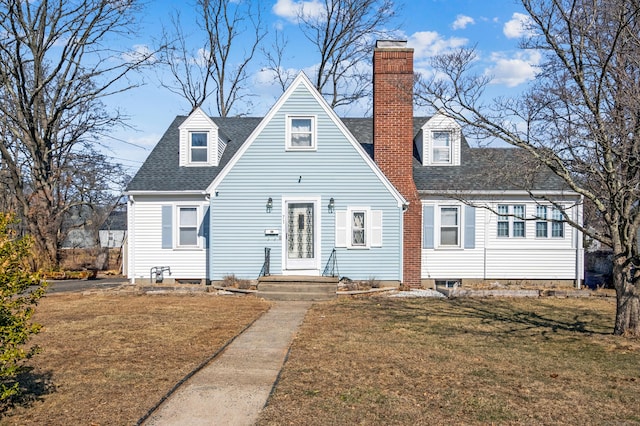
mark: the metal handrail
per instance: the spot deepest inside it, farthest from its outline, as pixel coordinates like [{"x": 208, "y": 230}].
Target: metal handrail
[
  {"x": 266, "y": 266},
  {"x": 331, "y": 269}
]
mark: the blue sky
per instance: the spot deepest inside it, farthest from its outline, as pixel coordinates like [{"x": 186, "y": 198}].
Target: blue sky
[{"x": 430, "y": 27}]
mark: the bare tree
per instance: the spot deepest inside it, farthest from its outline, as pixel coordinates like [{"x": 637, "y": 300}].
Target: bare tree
[
  {"x": 215, "y": 67},
  {"x": 580, "y": 119},
  {"x": 55, "y": 68},
  {"x": 343, "y": 34}
]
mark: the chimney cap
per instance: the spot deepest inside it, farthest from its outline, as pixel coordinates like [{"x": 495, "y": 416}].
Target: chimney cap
[{"x": 391, "y": 44}]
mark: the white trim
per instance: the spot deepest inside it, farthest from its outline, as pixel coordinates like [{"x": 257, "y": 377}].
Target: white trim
[
  {"x": 301, "y": 78},
  {"x": 185, "y": 192},
  {"x": 540, "y": 192},
  {"x": 317, "y": 233},
  {"x": 207, "y": 148},
  {"x": 176, "y": 226},
  {"x": 367, "y": 227},
  {"x": 314, "y": 132},
  {"x": 438, "y": 227}
]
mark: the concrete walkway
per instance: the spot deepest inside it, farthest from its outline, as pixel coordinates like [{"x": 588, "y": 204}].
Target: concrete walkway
[{"x": 234, "y": 387}]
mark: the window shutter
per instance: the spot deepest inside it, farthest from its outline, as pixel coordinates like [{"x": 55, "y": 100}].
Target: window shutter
[
  {"x": 167, "y": 227},
  {"x": 341, "y": 228},
  {"x": 427, "y": 227},
  {"x": 376, "y": 228},
  {"x": 469, "y": 227}
]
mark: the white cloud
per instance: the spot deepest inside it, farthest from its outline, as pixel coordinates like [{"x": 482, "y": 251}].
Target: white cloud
[
  {"x": 515, "y": 70},
  {"x": 290, "y": 9},
  {"x": 139, "y": 53},
  {"x": 517, "y": 26},
  {"x": 429, "y": 43},
  {"x": 462, "y": 21}
]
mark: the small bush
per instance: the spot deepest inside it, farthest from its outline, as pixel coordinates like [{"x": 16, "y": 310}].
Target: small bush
[
  {"x": 20, "y": 290},
  {"x": 234, "y": 282}
]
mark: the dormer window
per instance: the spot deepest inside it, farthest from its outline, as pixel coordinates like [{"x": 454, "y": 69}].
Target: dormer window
[
  {"x": 301, "y": 133},
  {"x": 441, "y": 147},
  {"x": 199, "y": 147}
]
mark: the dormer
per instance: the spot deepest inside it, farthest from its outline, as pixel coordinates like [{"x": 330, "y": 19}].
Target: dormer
[
  {"x": 199, "y": 145},
  {"x": 440, "y": 141}
]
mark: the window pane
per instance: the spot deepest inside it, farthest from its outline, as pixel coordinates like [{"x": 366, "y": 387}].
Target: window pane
[
  {"x": 358, "y": 229},
  {"x": 518, "y": 211},
  {"x": 557, "y": 229},
  {"x": 198, "y": 139},
  {"x": 556, "y": 214},
  {"x": 503, "y": 229},
  {"x": 449, "y": 216},
  {"x": 198, "y": 155},
  {"x": 503, "y": 209},
  {"x": 440, "y": 155},
  {"x": 188, "y": 236},
  {"x": 301, "y": 139},
  {"x": 301, "y": 125},
  {"x": 541, "y": 212},
  {"x": 188, "y": 216},
  {"x": 541, "y": 229},
  {"x": 449, "y": 236},
  {"x": 441, "y": 139},
  {"x": 518, "y": 229}
]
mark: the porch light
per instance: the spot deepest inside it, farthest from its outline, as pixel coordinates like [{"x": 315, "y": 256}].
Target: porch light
[
  {"x": 332, "y": 205},
  {"x": 269, "y": 205}
]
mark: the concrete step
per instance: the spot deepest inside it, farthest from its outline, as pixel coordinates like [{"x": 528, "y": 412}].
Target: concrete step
[{"x": 297, "y": 288}]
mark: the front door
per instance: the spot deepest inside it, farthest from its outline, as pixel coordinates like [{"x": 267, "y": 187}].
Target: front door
[{"x": 301, "y": 245}]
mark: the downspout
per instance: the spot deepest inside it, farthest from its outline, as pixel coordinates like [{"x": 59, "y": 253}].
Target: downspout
[{"x": 405, "y": 207}]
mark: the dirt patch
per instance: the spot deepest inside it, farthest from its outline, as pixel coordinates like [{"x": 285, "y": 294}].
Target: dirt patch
[
  {"x": 108, "y": 359},
  {"x": 463, "y": 361}
]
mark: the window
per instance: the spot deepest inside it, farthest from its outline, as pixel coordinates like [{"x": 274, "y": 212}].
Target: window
[
  {"x": 198, "y": 148},
  {"x": 541, "y": 222},
  {"x": 503, "y": 220},
  {"x": 441, "y": 147},
  {"x": 301, "y": 133},
  {"x": 358, "y": 227},
  {"x": 188, "y": 227},
  {"x": 449, "y": 226},
  {"x": 557, "y": 226},
  {"x": 511, "y": 221}
]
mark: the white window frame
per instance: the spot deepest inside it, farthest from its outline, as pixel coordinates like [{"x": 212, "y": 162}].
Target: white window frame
[
  {"x": 557, "y": 220},
  {"x": 367, "y": 227},
  {"x": 179, "y": 226},
  {"x": 289, "y": 133},
  {"x": 205, "y": 148},
  {"x": 435, "y": 148},
  {"x": 458, "y": 226},
  {"x": 542, "y": 222},
  {"x": 509, "y": 217}
]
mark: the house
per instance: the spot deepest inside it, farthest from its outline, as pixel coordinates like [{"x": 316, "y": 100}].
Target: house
[
  {"x": 113, "y": 231},
  {"x": 398, "y": 198}
]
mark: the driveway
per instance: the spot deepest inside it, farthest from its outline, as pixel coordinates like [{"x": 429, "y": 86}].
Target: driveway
[{"x": 67, "y": 286}]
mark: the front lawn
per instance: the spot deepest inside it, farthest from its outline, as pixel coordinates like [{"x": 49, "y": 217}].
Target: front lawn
[{"x": 465, "y": 361}]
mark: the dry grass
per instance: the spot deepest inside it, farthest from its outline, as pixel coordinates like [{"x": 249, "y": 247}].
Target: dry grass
[
  {"x": 467, "y": 361},
  {"x": 107, "y": 359}
]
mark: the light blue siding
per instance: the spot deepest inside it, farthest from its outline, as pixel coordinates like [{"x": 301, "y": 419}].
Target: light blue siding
[{"x": 239, "y": 215}]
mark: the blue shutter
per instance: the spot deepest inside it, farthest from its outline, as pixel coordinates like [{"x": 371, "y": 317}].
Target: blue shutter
[
  {"x": 469, "y": 227},
  {"x": 427, "y": 227},
  {"x": 167, "y": 227}
]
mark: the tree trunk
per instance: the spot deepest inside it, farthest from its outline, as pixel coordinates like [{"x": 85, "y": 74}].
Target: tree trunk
[{"x": 627, "y": 300}]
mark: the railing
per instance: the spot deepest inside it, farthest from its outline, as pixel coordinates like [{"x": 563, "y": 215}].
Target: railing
[
  {"x": 331, "y": 269},
  {"x": 266, "y": 266},
  {"x": 157, "y": 273}
]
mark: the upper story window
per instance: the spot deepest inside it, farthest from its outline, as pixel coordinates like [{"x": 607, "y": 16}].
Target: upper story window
[
  {"x": 301, "y": 133},
  {"x": 441, "y": 147},
  {"x": 198, "y": 147}
]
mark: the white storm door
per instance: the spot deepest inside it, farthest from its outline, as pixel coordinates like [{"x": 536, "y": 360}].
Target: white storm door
[{"x": 301, "y": 247}]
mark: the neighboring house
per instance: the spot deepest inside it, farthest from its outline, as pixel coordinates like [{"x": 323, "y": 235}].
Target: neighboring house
[
  {"x": 113, "y": 231},
  {"x": 394, "y": 197}
]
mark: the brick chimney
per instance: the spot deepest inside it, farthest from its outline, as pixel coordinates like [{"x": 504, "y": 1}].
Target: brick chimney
[{"x": 393, "y": 141}]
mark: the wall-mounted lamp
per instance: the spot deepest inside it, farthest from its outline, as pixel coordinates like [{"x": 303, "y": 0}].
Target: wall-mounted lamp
[
  {"x": 332, "y": 205},
  {"x": 269, "y": 205}
]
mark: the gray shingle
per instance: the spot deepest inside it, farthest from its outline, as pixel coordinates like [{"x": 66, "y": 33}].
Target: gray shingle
[{"x": 481, "y": 169}]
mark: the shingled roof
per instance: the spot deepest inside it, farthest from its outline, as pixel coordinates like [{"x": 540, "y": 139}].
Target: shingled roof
[{"x": 481, "y": 169}]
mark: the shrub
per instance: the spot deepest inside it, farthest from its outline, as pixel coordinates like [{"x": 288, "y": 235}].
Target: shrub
[{"x": 20, "y": 290}]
